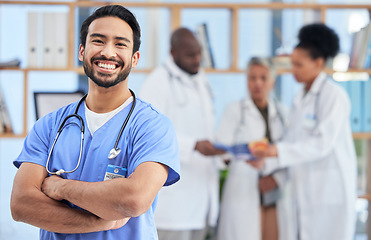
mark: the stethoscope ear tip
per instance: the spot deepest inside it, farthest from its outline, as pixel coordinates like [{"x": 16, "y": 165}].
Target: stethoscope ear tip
[{"x": 113, "y": 153}]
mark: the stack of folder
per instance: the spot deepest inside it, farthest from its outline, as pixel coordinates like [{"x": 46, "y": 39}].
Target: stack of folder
[
  {"x": 360, "y": 97},
  {"x": 47, "y": 40}
]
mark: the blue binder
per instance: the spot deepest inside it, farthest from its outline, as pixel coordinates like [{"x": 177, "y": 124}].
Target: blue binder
[
  {"x": 356, "y": 98},
  {"x": 367, "y": 105}
]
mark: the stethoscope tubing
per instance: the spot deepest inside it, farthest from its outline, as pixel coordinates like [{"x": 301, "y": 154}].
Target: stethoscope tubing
[
  {"x": 126, "y": 121},
  {"x": 278, "y": 113},
  {"x": 115, "y": 149}
]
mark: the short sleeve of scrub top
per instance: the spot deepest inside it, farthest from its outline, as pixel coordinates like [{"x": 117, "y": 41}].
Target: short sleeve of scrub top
[
  {"x": 154, "y": 140},
  {"x": 37, "y": 143}
]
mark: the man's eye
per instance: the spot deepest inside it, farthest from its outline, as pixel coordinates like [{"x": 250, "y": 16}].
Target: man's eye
[
  {"x": 97, "y": 41},
  {"x": 121, "y": 44}
]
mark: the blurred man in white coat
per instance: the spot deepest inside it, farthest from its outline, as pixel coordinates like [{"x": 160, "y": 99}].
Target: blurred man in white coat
[{"x": 181, "y": 91}]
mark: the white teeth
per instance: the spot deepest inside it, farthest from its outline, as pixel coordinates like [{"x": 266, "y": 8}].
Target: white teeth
[{"x": 107, "y": 66}]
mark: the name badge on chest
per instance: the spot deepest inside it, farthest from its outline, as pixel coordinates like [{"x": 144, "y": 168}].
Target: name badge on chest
[
  {"x": 310, "y": 121},
  {"x": 115, "y": 172}
]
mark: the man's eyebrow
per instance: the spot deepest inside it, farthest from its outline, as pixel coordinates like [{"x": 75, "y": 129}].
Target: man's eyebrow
[
  {"x": 97, "y": 35},
  {"x": 123, "y": 39},
  {"x": 104, "y": 36}
]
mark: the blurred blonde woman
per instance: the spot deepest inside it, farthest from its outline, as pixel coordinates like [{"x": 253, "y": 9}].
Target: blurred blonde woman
[{"x": 251, "y": 197}]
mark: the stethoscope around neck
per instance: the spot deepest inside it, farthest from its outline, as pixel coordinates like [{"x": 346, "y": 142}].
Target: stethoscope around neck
[
  {"x": 112, "y": 154},
  {"x": 316, "y": 107},
  {"x": 276, "y": 106}
]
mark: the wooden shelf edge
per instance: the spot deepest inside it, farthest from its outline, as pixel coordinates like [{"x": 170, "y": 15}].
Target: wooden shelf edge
[
  {"x": 273, "y": 6},
  {"x": 11, "y": 68},
  {"x": 362, "y": 135},
  {"x": 12, "y": 135},
  {"x": 366, "y": 196}
]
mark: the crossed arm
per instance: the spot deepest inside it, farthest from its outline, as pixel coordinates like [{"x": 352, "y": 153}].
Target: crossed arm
[{"x": 108, "y": 204}]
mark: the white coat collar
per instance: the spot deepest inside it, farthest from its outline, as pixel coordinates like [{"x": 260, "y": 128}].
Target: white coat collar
[
  {"x": 179, "y": 73},
  {"x": 249, "y": 103},
  {"x": 318, "y": 83},
  {"x": 272, "y": 110},
  {"x": 314, "y": 90}
]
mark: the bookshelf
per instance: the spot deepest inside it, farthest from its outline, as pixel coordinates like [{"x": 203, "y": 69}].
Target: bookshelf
[{"x": 175, "y": 10}]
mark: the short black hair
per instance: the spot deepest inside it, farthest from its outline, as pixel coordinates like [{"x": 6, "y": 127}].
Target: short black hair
[
  {"x": 114, "y": 11},
  {"x": 320, "y": 40}
]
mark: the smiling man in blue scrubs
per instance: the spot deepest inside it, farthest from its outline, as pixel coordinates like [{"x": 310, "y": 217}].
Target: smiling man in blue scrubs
[{"x": 103, "y": 198}]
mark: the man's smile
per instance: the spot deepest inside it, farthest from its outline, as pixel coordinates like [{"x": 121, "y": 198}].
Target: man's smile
[{"x": 106, "y": 66}]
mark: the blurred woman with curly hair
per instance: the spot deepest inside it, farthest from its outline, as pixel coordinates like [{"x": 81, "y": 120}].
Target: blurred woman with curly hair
[{"x": 318, "y": 148}]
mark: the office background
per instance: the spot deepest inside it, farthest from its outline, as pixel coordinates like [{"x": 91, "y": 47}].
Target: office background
[{"x": 256, "y": 37}]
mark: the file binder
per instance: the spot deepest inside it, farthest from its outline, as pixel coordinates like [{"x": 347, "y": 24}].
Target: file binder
[
  {"x": 367, "y": 105},
  {"x": 33, "y": 51},
  {"x": 355, "y": 94},
  {"x": 59, "y": 51},
  {"x": 48, "y": 39}
]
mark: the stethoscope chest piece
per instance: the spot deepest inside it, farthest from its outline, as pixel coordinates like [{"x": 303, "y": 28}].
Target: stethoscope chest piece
[{"x": 113, "y": 153}]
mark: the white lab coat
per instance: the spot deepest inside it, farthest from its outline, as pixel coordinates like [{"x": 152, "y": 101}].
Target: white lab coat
[
  {"x": 187, "y": 101},
  {"x": 322, "y": 161},
  {"x": 240, "y": 209}
]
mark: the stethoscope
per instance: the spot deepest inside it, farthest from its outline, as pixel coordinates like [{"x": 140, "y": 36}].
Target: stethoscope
[
  {"x": 313, "y": 117},
  {"x": 112, "y": 154},
  {"x": 278, "y": 111}
]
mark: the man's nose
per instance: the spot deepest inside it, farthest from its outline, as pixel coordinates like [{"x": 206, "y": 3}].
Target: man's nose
[
  {"x": 259, "y": 83},
  {"x": 198, "y": 59},
  {"x": 108, "y": 51}
]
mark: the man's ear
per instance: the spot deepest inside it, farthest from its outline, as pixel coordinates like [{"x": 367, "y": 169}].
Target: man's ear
[
  {"x": 135, "y": 59},
  {"x": 81, "y": 53},
  {"x": 320, "y": 62}
]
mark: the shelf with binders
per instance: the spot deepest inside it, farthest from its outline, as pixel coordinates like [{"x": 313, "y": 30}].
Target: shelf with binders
[
  {"x": 234, "y": 14},
  {"x": 178, "y": 12},
  {"x": 358, "y": 90}
]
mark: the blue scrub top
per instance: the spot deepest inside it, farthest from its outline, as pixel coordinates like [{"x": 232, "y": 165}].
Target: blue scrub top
[{"x": 148, "y": 136}]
